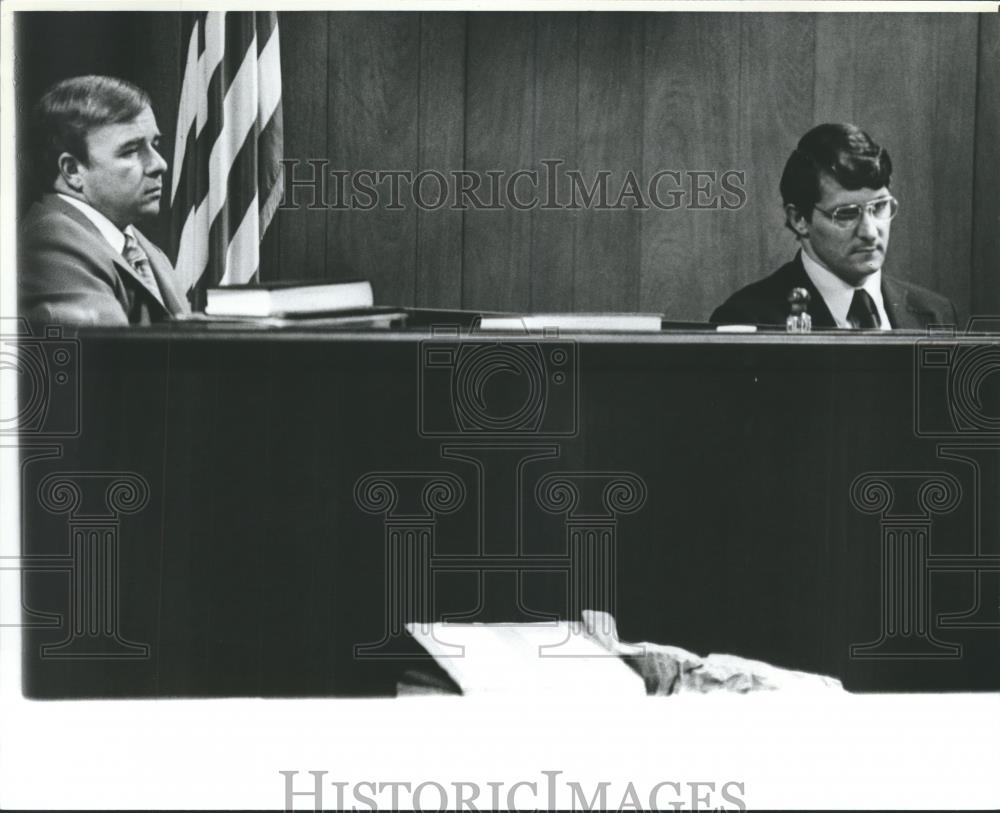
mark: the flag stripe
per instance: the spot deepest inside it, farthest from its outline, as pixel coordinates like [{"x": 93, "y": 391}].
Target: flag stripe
[
  {"x": 194, "y": 180},
  {"x": 209, "y": 64},
  {"x": 270, "y": 174},
  {"x": 240, "y": 195},
  {"x": 223, "y": 195},
  {"x": 227, "y": 155},
  {"x": 266, "y": 23},
  {"x": 187, "y": 110},
  {"x": 269, "y": 70},
  {"x": 242, "y": 255},
  {"x": 239, "y": 119}
]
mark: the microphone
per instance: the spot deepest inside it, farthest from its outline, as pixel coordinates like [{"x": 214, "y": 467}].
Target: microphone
[{"x": 799, "y": 320}]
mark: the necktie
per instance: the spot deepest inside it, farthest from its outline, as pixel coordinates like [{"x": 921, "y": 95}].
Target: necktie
[
  {"x": 862, "y": 312},
  {"x": 137, "y": 258}
]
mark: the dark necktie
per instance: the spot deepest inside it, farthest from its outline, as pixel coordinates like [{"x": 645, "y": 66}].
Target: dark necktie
[
  {"x": 137, "y": 258},
  {"x": 862, "y": 313}
]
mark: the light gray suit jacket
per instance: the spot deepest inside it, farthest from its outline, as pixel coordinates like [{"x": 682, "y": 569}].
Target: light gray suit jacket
[{"x": 68, "y": 273}]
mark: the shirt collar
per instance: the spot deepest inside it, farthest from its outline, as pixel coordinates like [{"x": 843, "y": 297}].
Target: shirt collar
[
  {"x": 838, "y": 294},
  {"x": 109, "y": 231}
]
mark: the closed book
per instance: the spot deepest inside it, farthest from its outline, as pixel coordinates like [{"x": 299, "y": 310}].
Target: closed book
[
  {"x": 362, "y": 319},
  {"x": 288, "y": 299}
]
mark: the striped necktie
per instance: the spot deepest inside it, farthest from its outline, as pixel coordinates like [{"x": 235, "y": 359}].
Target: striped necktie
[{"x": 136, "y": 257}]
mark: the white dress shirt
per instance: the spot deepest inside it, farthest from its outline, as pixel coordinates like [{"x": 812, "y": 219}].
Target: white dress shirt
[
  {"x": 838, "y": 294},
  {"x": 108, "y": 230}
]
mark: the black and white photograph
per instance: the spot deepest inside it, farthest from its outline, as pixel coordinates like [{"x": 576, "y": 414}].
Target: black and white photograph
[{"x": 487, "y": 406}]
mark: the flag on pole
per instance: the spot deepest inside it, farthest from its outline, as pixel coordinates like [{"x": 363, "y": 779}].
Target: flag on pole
[{"x": 227, "y": 173}]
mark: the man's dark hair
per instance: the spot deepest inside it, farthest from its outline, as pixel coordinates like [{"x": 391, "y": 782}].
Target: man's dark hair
[
  {"x": 844, "y": 152},
  {"x": 72, "y": 108}
]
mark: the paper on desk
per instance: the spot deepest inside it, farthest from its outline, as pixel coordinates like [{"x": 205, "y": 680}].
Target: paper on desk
[
  {"x": 542, "y": 658},
  {"x": 607, "y": 322}
]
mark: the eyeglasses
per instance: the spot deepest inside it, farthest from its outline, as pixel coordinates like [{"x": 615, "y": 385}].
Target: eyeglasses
[{"x": 848, "y": 217}]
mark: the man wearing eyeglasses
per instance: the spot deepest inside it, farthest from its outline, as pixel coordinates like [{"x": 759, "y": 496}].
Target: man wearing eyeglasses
[{"x": 835, "y": 189}]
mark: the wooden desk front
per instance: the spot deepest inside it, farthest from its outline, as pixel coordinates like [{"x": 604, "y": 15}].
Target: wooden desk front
[{"x": 287, "y": 499}]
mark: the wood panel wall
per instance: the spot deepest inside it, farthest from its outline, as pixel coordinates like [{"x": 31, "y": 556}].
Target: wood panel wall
[{"x": 600, "y": 91}]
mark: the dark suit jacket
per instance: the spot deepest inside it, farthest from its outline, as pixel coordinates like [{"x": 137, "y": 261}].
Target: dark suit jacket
[
  {"x": 68, "y": 274},
  {"x": 765, "y": 302}
]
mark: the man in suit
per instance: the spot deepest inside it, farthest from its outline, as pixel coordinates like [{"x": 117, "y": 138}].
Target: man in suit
[
  {"x": 835, "y": 189},
  {"x": 81, "y": 260}
]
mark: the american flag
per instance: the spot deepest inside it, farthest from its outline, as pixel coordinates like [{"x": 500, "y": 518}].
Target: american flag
[{"x": 227, "y": 173}]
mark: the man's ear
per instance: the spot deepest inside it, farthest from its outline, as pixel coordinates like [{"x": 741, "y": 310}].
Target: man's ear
[
  {"x": 795, "y": 220},
  {"x": 69, "y": 171}
]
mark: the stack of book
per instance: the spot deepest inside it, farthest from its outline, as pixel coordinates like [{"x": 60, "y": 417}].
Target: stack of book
[{"x": 326, "y": 304}]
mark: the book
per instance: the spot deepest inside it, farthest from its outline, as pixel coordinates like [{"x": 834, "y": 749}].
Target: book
[
  {"x": 601, "y": 322},
  {"x": 361, "y": 318},
  {"x": 288, "y": 298},
  {"x": 369, "y": 318}
]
